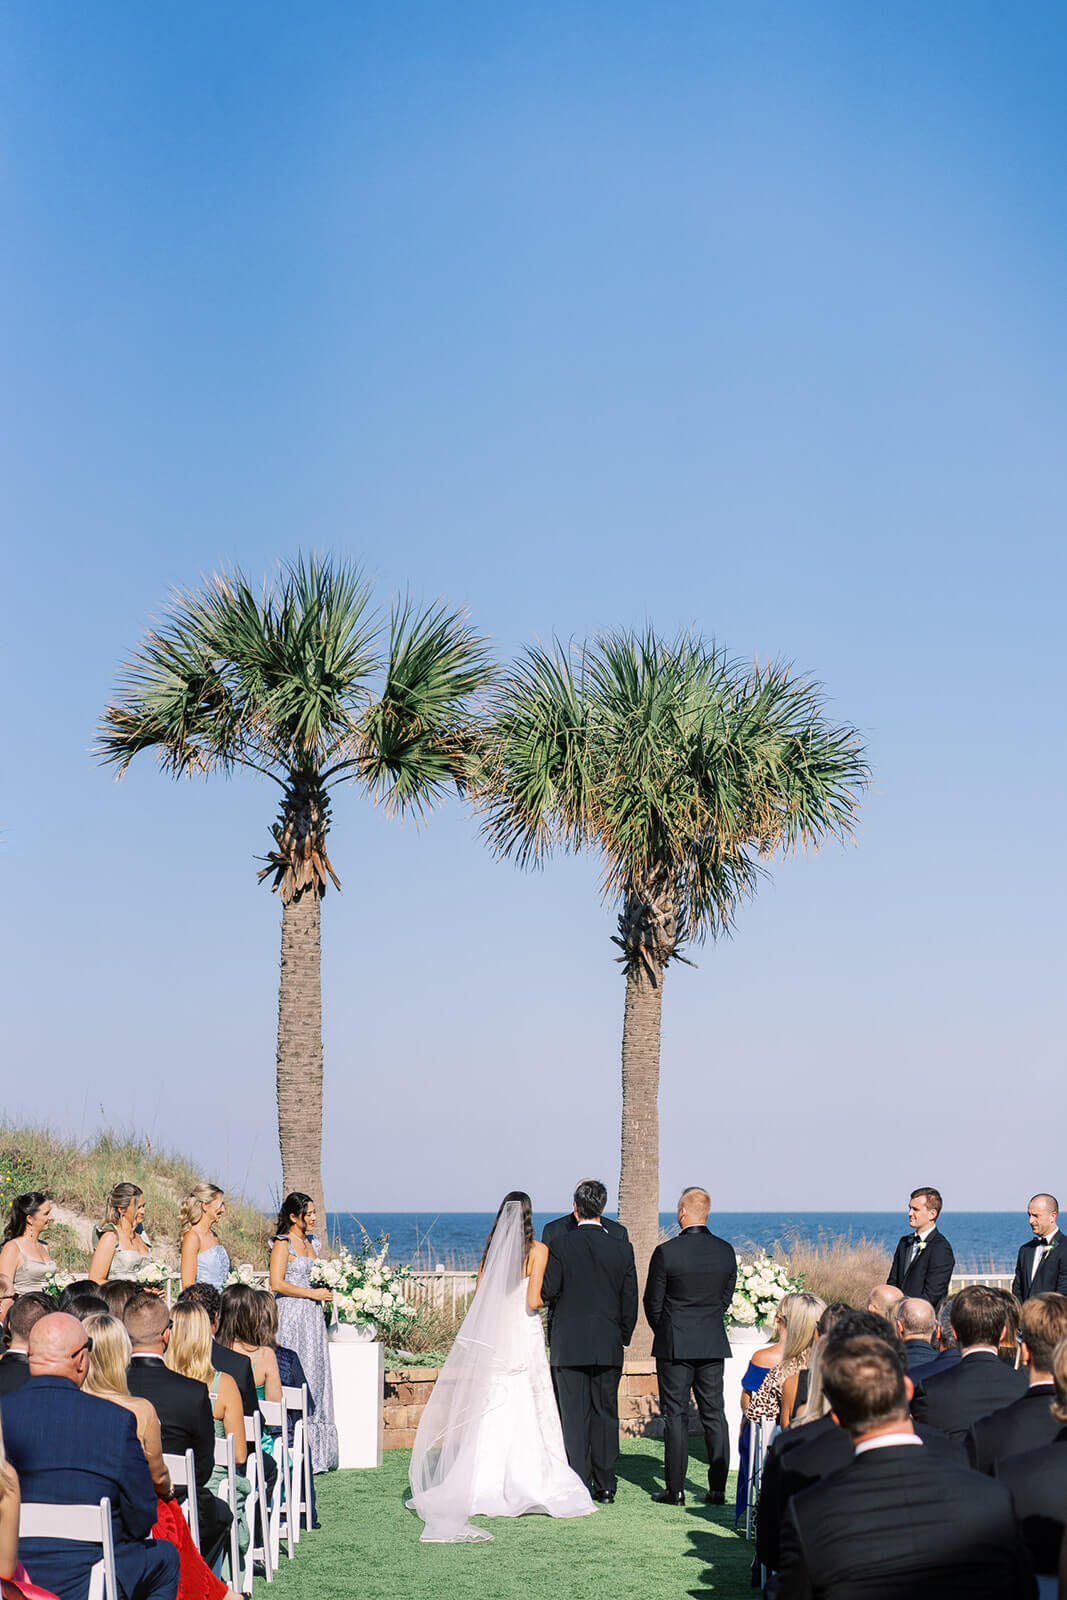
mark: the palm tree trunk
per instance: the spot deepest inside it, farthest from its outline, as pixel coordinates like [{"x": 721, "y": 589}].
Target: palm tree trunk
[
  {"x": 300, "y": 1051},
  {"x": 639, "y": 1176}
]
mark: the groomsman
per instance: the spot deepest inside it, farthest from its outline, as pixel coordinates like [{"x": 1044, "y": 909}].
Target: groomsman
[
  {"x": 923, "y": 1262},
  {"x": 567, "y": 1224},
  {"x": 691, "y": 1281},
  {"x": 590, "y": 1284},
  {"x": 1042, "y": 1264}
]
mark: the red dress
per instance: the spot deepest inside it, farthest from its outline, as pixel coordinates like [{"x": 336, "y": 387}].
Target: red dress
[{"x": 196, "y": 1581}]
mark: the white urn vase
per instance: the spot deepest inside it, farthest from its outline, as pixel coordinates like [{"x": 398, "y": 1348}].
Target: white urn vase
[{"x": 353, "y": 1333}]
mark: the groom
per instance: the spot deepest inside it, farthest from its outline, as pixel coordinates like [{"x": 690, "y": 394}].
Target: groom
[{"x": 590, "y": 1285}]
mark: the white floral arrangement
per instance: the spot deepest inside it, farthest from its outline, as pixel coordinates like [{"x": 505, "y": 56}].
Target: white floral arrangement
[
  {"x": 761, "y": 1283},
  {"x": 366, "y": 1291},
  {"x": 154, "y": 1275},
  {"x": 247, "y": 1274}
]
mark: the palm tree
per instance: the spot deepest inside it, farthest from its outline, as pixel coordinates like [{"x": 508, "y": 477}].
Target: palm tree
[
  {"x": 308, "y": 685},
  {"x": 683, "y": 772}
]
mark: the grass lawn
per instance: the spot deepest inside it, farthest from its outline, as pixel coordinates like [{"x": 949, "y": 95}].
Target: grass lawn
[{"x": 369, "y": 1545}]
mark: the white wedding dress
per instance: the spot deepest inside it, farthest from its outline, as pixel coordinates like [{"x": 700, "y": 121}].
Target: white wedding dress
[{"x": 489, "y": 1442}]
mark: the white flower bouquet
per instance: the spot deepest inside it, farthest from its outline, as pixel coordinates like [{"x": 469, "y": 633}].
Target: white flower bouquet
[
  {"x": 154, "y": 1275},
  {"x": 246, "y": 1274},
  {"x": 366, "y": 1292},
  {"x": 57, "y": 1281},
  {"x": 761, "y": 1283}
]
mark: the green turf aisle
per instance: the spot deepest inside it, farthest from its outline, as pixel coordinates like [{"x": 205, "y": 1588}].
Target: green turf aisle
[{"x": 634, "y": 1550}]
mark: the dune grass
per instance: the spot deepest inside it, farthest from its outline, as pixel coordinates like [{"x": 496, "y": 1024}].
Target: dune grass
[
  {"x": 834, "y": 1265},
  {"x": 80, "y": 1176},
  {"x": 632, "y": 1550}
]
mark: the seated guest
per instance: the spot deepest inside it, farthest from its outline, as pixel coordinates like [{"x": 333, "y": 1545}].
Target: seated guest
[
  {"x": 75, "y": 1287},
  {"x": 239, "y": 1328},
  {"x": 223, "y": 1359},
  {"x": 184, "y": 1411},
  {"x": 899, "y": 1522},
  {"x": 1028, "y": 1423},
  {"x": 945, "y": 1342},
  {"x": 1008, "y": 1347},
  {"x": 884, "y": 1301},
  {"x": 981, "y": 1383},
  {"x": 916, "y": 1320},
  {"x": 290, "y": 1371},
  {"x": 117, "y": 1293},
  {"x": 84, "y": 1305},
  {"x": 70, "y": 1448},
  {"x": 1037, "y": 1480},
  {"x": 15, "y": 1365}
]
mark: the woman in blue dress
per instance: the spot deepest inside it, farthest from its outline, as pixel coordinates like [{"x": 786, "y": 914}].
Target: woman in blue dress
[
  {"x": 204, "y": 1259},
  {"x": 301, "y": 1322}
]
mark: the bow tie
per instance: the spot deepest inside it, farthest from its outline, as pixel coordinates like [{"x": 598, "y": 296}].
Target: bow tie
[
  {"x": 916, "y": 1238},
  {"x": 1044, "y": 1244}
]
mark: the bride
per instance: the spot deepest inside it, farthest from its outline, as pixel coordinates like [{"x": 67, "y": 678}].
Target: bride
[{"x": 489, "y": 1442}]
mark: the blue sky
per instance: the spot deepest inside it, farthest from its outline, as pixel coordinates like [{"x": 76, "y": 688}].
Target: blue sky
[{"x": 743, "y": 317}]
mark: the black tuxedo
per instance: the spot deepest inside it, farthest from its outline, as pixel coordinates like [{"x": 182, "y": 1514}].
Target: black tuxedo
[
  {"x": 1051, "y": 1275},
  {"x": 944, "y": 1361},
  {"x": 1026, "y": 1424},
  {"x": 900, "y": 1524},
  {"x": 183, "y": 1407},
  {"x": 1037, "y": 1483},
  {"x": 975, "y": 1386},
  {"x": 591, "y": 1285},
  {"x": 801, "y": 1457},
  {"x": 14, "y": 1370},
  {"x": 929, "y": 1275},
  {"x": 918, "y": 1355},
  {"x": 567, "y": 1224},
  {"x": 690, "y": 1283}
]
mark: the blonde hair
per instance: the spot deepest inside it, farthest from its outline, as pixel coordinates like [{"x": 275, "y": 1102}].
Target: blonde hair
[
  {"x": 119, "y": 1200},
  {"x": 800, "y": 1312},
  {"x": 189, "y": 1350},
  {"x": 192, "y": 1210},
  {"x": 109, "y": 1357}
]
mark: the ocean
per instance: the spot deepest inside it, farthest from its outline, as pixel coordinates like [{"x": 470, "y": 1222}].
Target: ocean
[{"x": 984, "y": 1241}]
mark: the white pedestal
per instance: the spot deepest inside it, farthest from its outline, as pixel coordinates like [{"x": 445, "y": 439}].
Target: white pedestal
[
  {"x": 358, "y": 1372},
  {"x": 744, "y": 1342}
]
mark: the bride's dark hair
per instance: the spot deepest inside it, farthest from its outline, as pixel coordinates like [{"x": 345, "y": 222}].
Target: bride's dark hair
[{"x": 527, "y": 1224}]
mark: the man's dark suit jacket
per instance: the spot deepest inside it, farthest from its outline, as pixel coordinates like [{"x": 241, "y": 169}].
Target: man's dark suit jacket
[
  {"x": 70, "y": 1448},
  {"x": 690, "y": 1283},
  {"x": 1051, "y": 1275},
  {"x": 944, "y": 1361},
  {"x": 183, "y": 1407},
  {"x": 591, "y": 1285},
  {"x": 978, "y": 1384},
  {"x": 14, "y": 1370},
  {"x": 1037, "y": 1483},
  {"x": 918, "y": 1354},
  {"x": 801, "y": 1457},
  {"x": 567, "y": 1224},
  {"x": 1026, "y": 1424},
  {"x": 223, "y": 1359},
  {"x": 930, "y": 1273},
  {"x": 899, "y": 1524}
]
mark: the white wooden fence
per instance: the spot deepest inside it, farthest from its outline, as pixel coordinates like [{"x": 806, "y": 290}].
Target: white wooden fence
[{"x": 440, "y": 1290}]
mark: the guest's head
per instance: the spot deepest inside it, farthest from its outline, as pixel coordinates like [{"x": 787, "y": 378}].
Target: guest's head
[
  {"x": 817, "y": 1404},
  {"x": 590, "y": 1198},
  {"x": 117, "y": 1293},
  {"x": 884, "y": 1300},
  {"x": 27, "y": 1310},
  {"x": 147, "y": 1321},
  {"x": 268, "y": 1318},
  {"x": 693, "y": 1208},
  {"x": 77, "y": 1286},
  {"x": 1042, "y": 1325},
  {"x": 1042, "y": 1213},
  {"x": 916, "y": 1319},
  {"x": 924, "y": 1208},
  {"x": 864, "y": 1382},
  {"x": 946, "y": 1338},
  {"x": 29, "y": 1216},
  {"x": 831, "y": 1316},
  {"x": 205, "y": 1202},
  {"x": 1008, "y": 1345},
  {"x": 109, "y": 1356},
  {"x": 189, "y": 1351},
  {"x": 84, "y": 1305},
  {"x": 978, "y": 1316},
  {"x": 206, "y": 1295},
  {"x": 297, "y": 1214},
  {"x": 520, "y": 1198},
  {"x": 239, "y": 1315},
  {"x": 126, "y": 1200},
  {"x": 868, "y": 1325},
  {"x": 799, "y": 1315},
  {"x": 1059, "y": 1378},
  {"x": 59, "y": 1348}
]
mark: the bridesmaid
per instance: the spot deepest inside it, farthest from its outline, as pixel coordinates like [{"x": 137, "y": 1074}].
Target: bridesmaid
[
  {"x": 24, "y": 1257},
  {"x": 204, "y": 1259},
  {"x": 121, "y": 1242},
  {"x": 301, "y": 1323}
]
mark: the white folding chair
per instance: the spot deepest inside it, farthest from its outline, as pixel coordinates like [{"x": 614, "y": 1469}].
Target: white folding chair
[
  {"x": 182, "y": 1471},
  {"x": 296, "y": 1402},
  {"x": 86, "y": 1524},
  {"x": 227, "y": 1493},
  {"x": 760, "y": 1434},
  {"x": 257, "y": 1496},
  {"x": 275, "y": 1415}
]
